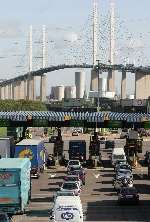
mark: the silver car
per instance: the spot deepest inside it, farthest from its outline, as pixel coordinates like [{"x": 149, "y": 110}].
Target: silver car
[{"x": 71, "y": 186}]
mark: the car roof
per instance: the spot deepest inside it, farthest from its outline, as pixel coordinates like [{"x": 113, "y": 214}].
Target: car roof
[
  {"x": 124, "y": 170},
  {"x": 70, "y": 182},
  {"x": 64, "y": 192},
  {"x": 68, "y": 201},
  {"x": 118, "y": 151},
  {"x": 76, "y": 166},
  {"x": 74, "y": 160},
  {"x": 72, "y": 175}
]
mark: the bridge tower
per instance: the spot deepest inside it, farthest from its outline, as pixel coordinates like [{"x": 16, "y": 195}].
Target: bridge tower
[
  {"x": 31, "y": 79},
  {"x": 111, "y": 74},
  {"x": 43, "y": 77},
  {"x": 94, "y": 76}
]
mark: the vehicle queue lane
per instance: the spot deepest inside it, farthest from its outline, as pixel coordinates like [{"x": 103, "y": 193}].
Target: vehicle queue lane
[{"x": 98, "y": 197}]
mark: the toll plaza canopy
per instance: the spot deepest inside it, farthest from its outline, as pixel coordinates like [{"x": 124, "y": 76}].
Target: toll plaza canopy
[{"x": 74, "y": 119}]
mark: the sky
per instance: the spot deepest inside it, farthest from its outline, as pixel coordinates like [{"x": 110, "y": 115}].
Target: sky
[{"x": 67, "y": 21}]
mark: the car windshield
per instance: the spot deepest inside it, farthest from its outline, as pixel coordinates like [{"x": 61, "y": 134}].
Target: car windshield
[
  {"x": 124, "y": 171},
  {"x": 72, "y": 178},
  {"x": 121, "y": 157},
  {"x": 124, "y": 167},
  {"x": 75, "y": 168},
  {"x": 65, "y": 194},
  {"x": 73, "y": 162},
  {"x": 70, "y": 186}
]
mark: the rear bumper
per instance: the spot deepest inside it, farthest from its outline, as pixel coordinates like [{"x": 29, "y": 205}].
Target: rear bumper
[{"x": 34, "y": 173}]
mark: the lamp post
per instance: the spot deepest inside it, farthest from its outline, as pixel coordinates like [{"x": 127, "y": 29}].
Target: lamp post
[
  {"x": 98, "y": 75},
  {"x": 98, "y": 99}
]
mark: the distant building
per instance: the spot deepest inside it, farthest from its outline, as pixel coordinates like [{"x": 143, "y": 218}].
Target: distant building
[
  {"x": 70, "y": 92},
  {"x": 57, "y": 93},
  {"x": 80, "y": 84}
]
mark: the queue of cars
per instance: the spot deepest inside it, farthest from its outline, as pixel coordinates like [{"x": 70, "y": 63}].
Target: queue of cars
[
  {"x": 123, "y": 183},
  {"x": 66, "y": 202}
]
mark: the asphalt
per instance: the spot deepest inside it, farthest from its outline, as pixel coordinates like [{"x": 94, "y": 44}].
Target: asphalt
[{"x": 98, "y": 197}]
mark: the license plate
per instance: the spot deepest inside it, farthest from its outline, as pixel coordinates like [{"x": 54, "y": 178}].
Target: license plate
[{"x": 129, "y": 196}]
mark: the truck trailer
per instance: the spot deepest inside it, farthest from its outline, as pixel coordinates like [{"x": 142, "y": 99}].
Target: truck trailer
[
  {"x": 34, "y": 150},
  {"x": 77, "y": 149},
  {"x": 15, "y": 185}
]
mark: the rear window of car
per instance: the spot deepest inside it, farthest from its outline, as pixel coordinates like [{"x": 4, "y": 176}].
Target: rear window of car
[
  {"x": 70, "y": 186},
  {"x": 65, "y": 194},
  {"x": 73, "y": 162},
  {"x": 129, "y": 191},
  {"x": 124, "y": 171},
  {"x": 75, "y": 168},
  {"x": 72, "y": 178},
  {"x": 121, "y": 157}
]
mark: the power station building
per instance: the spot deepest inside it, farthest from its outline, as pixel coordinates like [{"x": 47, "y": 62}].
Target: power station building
[
  {"x": 70, "y": 92},
  {"x": 80, "y": 84},
  {"x": 57, "y": 92}
]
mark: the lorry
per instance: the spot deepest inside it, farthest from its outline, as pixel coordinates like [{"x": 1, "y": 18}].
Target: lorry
[
  {"x": 118, "y": 155},
  {"x": 7, "y": 147},
  {"x": 133, "y": 146},
  {"x": 34, "y": 150},
  {"x": 15, "y": 185},
  {"x": 133, "y": 143},
  {"x": 77, "y": 149}
]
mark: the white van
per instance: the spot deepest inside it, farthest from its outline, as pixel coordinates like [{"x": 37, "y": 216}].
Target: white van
[
  {"x": 118, "y": 154},
  {"x": 67, "y": 208}
]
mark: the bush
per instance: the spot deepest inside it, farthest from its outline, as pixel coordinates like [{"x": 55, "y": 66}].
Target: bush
[{"x": 22, "y": 105}]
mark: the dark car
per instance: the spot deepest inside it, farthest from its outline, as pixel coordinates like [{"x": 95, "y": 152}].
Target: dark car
[
  {"x": 109, "y": 144},
  {"x": 4, "y": 218},
  {"x": 147, "y": 158},
  {"x": 128, "y": 195}
]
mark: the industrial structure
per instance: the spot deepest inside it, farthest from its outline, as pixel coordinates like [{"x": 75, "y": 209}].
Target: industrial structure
[
  {"x": 57, "y": 92},
  {"x": 70, "y": 92},
  {"x": 80, "y": 84}
]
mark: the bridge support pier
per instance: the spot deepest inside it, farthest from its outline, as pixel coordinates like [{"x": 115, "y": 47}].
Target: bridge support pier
[
  {"x": 22, "y": 89},
  {"x": 6, "y": 92},
  {"x": 123, "y": 85},
  {"x": 15, "y": 91},
  {"x": 10, "y": 91},
  {"x": 43, "y": 88},
  {"x": 31, "y": 88},
  {"x": 142, "y": 85},
  {"x": 2, "y": 92},
  {"x": 111, "y": 81},
  {"x": 94, "y": 81}
]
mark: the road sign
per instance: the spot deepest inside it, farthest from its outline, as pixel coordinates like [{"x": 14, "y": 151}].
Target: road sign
[
  {"x": 113, "y": 124},
  {"x": 67, "y": 118},
  {"x": 76, "y": 123}
]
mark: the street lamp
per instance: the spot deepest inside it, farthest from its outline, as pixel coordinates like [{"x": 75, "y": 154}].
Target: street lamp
[
  {"x": 98, "y": 99},
  {"x": 98, "y": 75}
]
